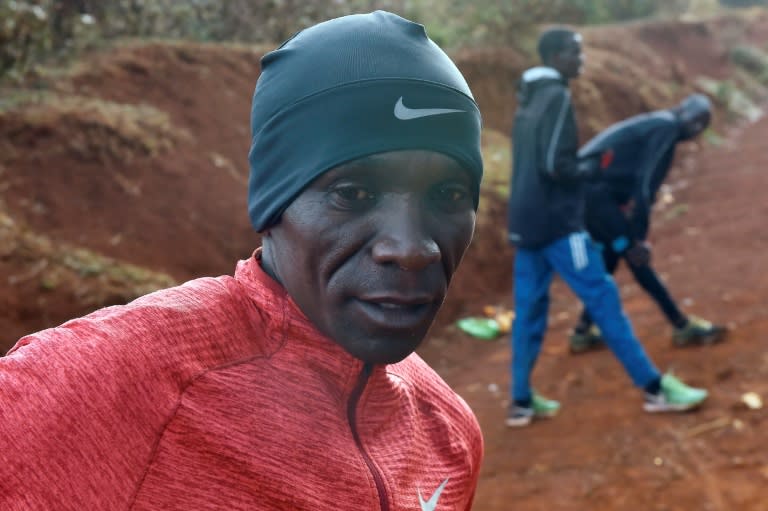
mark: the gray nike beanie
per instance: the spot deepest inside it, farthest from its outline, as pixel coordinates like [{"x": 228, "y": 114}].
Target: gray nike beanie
[{"x": 349, "y": 88}]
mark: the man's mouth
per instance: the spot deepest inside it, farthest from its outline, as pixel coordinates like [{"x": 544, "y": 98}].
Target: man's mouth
[
  {"x": 391, "y": 305},
  {"x": 397, "y": 312}
]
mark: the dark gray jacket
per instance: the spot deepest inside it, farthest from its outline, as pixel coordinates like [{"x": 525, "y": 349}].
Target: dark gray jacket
[
  {"x": 643, "y": 149},
  {"x": 547, "y": 186}
]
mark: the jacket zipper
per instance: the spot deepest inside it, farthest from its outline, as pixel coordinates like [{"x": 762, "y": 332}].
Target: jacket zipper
[{"x": 354, "y": 398}]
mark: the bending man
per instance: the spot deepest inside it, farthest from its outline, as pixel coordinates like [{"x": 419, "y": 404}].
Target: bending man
[{"x": 640, "y": 152}]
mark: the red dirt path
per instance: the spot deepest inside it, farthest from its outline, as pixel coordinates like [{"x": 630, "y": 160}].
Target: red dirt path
[
  {"x": 183, "y": 212},
  {"x": 602, "y": 452}
]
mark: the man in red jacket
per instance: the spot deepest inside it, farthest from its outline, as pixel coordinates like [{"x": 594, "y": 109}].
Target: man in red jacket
[{"x": 293, "y": 384}]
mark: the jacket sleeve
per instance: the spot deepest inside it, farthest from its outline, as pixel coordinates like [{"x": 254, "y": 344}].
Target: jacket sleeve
[
  {"x": 649, "y": 177},
  {"x": 559, "y": 134},
  {"x": 78, "y": 421}
]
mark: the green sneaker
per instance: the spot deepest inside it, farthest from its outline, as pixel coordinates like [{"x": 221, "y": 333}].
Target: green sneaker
[
  {"x": 541, "y": 408},
  {"x": 675, "y": 396},
  {"x": 697, "y": 331},
  {"x": 590, "y": 340}
]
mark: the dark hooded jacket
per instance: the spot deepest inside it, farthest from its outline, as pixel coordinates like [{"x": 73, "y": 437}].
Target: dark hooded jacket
[
  {"x": 619, "y": 201},
  {"x": 547, "y": 185}
]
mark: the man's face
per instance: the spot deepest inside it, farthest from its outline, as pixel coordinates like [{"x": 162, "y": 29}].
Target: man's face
[
  {"x": 693, "y": 124},
  {"x": 570, "y": 60},
  {"x": 368, "y": 249}
]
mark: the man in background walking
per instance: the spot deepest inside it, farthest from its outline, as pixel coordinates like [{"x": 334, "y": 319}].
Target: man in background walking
[{"x": 546, "y": 223}]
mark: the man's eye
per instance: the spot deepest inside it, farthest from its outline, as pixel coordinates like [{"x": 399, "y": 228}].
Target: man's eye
[
  {"x": 352, "y": 194},
  {"x": 452, "y": 193}
]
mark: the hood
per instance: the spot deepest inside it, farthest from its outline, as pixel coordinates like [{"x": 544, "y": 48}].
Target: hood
[
  {"x": 694, "y": 114},
  {"x": 536, "y": 78}
]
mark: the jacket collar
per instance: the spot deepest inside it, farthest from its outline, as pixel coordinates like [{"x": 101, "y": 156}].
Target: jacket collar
[
  {"x": 541, "y": 73},
  {"x": 291, "y": 333}
]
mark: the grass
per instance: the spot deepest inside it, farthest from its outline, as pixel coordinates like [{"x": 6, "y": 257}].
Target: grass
[
  {"x": 497, "y": 162},
  {"x": 736, "y": 102},
  {"x": 676, "y": 211},
  {"x": 95, "y": 128},
  {"x": 92, "y": 279},
  {"x": 13, "y": 99},
  {"x": 496, "y": 150},
  {"x": 135, "y": 42},
  {"x": 751, "y": 59},
  {"x": 712, "y": 138}
]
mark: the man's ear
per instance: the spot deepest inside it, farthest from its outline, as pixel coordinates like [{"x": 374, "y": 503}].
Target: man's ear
[{"x": 555, "y": 61}]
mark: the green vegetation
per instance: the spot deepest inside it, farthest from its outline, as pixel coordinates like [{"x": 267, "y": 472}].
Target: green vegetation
[
  {"x": 34, "y": 30},
  {"x": 462, "y": 23},
  {"x": 98, "y": 129},
  {"x": 732, "y": 96},
  {"x": 751, "y": 59},
  {"x": 93, "y": 279},
  {"x": 712, "y": 138},
  {"x": 676, "y": 211},
  {"x": 497, "y": 160}
]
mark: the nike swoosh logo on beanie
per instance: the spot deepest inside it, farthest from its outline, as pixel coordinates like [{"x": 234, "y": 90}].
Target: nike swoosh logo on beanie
[{"x": 404, "y": 113}]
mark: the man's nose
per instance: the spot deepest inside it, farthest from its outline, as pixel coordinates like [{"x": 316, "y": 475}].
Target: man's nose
[{"x": 404, "y": 238}]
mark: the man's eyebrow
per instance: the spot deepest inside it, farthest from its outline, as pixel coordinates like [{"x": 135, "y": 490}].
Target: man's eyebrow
[
  {"x": 371, "y": 159},
  {"x": 366, "y": 162}
]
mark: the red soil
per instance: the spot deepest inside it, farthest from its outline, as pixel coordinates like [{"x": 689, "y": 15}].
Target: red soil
[{"x": 182, "y": 211}]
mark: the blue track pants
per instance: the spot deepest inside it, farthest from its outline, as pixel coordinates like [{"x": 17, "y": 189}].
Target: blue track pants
[{"x": 579, "y": 263}]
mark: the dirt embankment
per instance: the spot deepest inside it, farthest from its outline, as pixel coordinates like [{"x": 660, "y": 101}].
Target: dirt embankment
[
  {"x": 138, "y": 154},
  {"x": 129, "y": 173}
]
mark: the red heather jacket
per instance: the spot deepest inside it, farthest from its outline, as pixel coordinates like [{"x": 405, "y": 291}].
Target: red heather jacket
[{"x": 219, "y": 394}]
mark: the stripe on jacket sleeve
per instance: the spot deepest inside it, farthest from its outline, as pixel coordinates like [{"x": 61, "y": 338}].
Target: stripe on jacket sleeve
[{"x": 556, "y": 133}]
